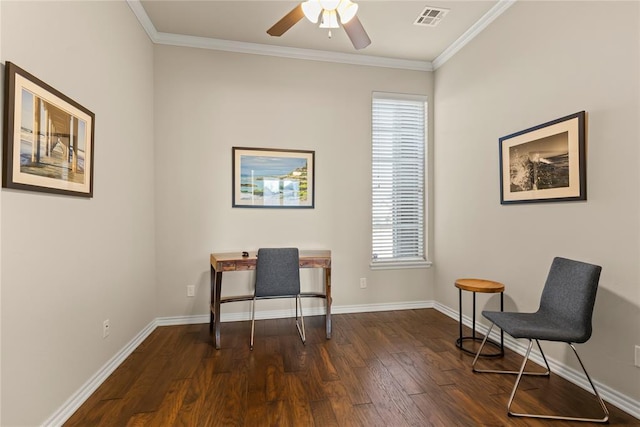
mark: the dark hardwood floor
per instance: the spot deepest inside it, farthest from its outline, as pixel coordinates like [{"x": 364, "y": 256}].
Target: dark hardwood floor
[{"x": 397, "y": 368}]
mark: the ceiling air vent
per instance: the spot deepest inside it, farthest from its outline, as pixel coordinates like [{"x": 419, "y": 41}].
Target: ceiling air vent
[{"x": 431, "y": 16}]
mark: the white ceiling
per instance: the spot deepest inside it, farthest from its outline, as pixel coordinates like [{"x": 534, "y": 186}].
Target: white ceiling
[{"x": 241, "y": 25}]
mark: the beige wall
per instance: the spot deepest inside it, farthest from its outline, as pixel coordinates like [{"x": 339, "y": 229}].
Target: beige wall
[
  {"x": 184, "y": 109},
  {"x": 537, "y": 62},
  {"x": 207, "y": 102},
  {"x": 69, "y": 263}
]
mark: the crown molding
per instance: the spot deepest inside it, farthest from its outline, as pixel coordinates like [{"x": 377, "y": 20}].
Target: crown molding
[
  {"x": 311, "y": 54},
  {"x": 269, "y": 50},
  {"x": 289, "y": 52},
  {"x": 472, "y": 32},
  {"x": 143, "y": 18}
]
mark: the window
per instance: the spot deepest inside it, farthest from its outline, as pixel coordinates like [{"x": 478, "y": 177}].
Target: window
[{"x": 398, "y": 181}]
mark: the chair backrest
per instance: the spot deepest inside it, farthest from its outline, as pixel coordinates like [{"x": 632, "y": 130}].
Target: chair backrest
[
  {"x": 569, "y": 295},
  {"x": 277, "y": 272}
]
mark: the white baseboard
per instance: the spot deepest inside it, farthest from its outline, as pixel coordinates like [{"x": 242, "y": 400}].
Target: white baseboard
[
  {"x": 79, "y": 397},
  {"x": 608, "y": 394},
  {"x": 280, "y": 314},
  {"x": 74, "y": 402}
]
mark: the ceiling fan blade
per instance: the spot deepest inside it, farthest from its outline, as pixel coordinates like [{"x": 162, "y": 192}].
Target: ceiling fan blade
[
  {"x": 356, "y": 33},
  {"x": 287, "y": 21}
]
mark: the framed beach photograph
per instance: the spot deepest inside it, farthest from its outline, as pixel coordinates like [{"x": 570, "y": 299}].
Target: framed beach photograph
[
  {"x": 545, "y": 163},
  {"x": 273, "y": 178},
  {"x": 48, "y": 138}
]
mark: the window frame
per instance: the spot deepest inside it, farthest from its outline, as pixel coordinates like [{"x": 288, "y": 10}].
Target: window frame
[{"x": 405, "y": 262}]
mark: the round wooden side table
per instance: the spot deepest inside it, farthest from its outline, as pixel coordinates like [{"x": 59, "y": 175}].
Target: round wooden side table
[{"x": 482, "y": 286}]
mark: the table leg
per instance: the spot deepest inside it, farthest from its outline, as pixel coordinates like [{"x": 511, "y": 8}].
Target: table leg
[
  {"x": 460, "y": 311},
  {"x": 473, "y": 322},
  {"x": 473, "y": 337},
  {"x": 501, "y": 331},
  {"x": 327, "y": 292},
  {"x": 216, "y": 295},
  {"x": 212, "y": 298}
]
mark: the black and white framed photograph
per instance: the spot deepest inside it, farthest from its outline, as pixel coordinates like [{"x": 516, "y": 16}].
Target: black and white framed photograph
[{"x": 545, "y": 163}]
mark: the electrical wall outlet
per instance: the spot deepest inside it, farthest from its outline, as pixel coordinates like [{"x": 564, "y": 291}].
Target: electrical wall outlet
[
  {"x": 637, "y": 358},
  {"x": 363, "y": 282},
  {"x": 105, "y": 328},
  {"x": 191, "y": 290}
]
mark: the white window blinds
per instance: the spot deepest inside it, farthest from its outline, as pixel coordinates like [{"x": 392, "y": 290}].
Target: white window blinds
[{"x": 398, "y": 179}]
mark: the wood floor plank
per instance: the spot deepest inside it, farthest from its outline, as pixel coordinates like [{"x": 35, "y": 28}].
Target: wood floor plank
[
  {"x": 183, "y": 366},
  {"x": 313, "y": 383},
  {"x": 344, "y": 411},
  {"x": 410, "y": 375},
  {"x": 274, "y": 379},
  {"x": 212, "y": 402},
  {"x": 391, "y": 369},
  {"x": 277, "y": 415},
  {"x": 90, "y": 414},
  {"x": 298, "y": 401},
  {"x": 146, "y": 392},
  {"x": 172, "y": 403},
  {"x": 141, "y": 419},
  {"x": 195, "y": 398},
  {"x": 367, "y": 415},
  {"x": 478, "y": 411},
  {"x": 387, "y": 388},
  {"x": 357, "y": 393},
  {"x": 119, "y": 382},
  {"x": 323, "y": 415},
  {"x": 437, "y": 413},
  {"x": 257, "y": 410},
  {"x": 234, "y": 398},
  {"x": 324, "y": 364}
]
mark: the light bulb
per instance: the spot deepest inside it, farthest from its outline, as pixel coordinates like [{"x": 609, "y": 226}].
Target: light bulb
[
  {"x": 311, "y": 10},
  {"x": 329, "y": 4},
  {"x": 347, "y": 10}
]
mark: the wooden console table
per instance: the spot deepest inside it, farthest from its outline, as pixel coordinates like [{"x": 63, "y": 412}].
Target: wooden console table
[{"x": 234, "y": 261}]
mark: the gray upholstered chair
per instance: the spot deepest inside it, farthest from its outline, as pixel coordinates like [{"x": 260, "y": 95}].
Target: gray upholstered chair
[
  {"x": 278, "y": 276},
  {"x": 564, "y": 315}
]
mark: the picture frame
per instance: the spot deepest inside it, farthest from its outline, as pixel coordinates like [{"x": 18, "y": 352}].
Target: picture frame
[
  {"x": 545, "y": 163},
  {"x": 48, "y": 138},
  {"x": 273, "y": 178}
]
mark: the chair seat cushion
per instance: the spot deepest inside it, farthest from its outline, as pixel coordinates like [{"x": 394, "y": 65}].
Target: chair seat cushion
[{"x": 539, "y": 325}]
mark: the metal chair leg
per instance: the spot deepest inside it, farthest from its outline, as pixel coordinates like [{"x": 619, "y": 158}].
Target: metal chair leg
[
  {"x": 497, "y": 371},
  {"x": 253, "y": 321},
  {"x": 515, "y": 386},
  {"x": 604, "y": 419},
  {"x": 301, "y": 332},
  {"x": 522, "y": 372},
  {"x": 299, "y": 323}
]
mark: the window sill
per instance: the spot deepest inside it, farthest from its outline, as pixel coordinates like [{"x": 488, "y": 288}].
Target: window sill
[{"x": 395, "y": 264}]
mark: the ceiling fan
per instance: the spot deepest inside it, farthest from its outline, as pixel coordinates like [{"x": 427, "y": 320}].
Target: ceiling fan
[{"x": 328, "y": 11}]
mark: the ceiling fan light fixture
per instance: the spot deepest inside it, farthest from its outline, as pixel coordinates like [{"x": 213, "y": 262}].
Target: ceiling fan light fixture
[
  {"x": 347, "y": 10},
  {"x": 329, "y": 13},
  {"x": 329, "y": 19},
  {"x": 311, "y": 10}
]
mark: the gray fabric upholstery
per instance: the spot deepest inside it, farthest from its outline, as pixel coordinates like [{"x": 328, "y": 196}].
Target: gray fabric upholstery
[
  {"x": 566, "y": 306},
  {"x": 277, "y": 272}
]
